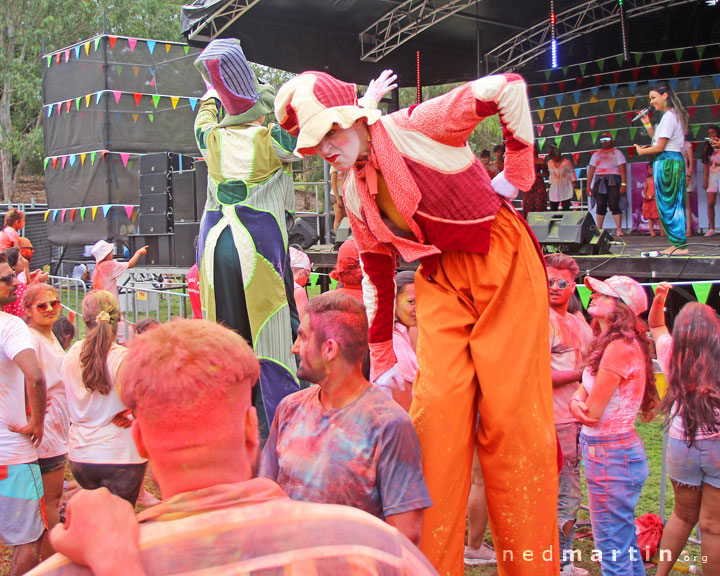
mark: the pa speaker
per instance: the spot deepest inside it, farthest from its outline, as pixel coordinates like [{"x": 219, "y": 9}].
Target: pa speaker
[
  {"x": 302, "y": 234},
  {"x": 568, "y": 232}
]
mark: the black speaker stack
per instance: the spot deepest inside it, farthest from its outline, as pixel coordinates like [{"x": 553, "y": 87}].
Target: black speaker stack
[
  {"x": 569, "y": 232},
  {"x": 173, "y": 189}
]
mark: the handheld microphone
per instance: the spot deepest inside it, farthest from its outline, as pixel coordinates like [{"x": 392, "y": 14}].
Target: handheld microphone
[{"x": 642, "y": 113}]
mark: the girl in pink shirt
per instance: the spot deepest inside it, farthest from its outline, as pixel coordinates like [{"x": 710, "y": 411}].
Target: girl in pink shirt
[
  {"x": 14, "y": 222},
  {"x": 405, "y": 336}
]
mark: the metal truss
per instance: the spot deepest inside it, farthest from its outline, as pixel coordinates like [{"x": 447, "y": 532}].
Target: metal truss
[
  {"x": 572, "y": 23},
  {"x": 403, "y": 23},
  {"x": 215, "y": 24}
]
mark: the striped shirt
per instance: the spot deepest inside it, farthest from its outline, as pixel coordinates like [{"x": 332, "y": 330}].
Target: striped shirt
[{"x": 253, "y": 528}]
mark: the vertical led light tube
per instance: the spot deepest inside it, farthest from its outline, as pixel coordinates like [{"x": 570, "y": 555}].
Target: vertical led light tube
[{"x": 553, "y": 41}]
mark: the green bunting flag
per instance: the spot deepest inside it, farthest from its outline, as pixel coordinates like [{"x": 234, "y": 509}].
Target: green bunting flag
[
  {"x": 151, "y": 118},
  {"x": 601, "y": 64},
  {"x": 558, "y": 140},
  {"x": 638, "y": 57},
  {"x": 92, "y": 158},
  {"x": 695, "y": 128},
  {"x": 187, "y": 49},
  {"x": 658, "y": 56},
  {"x": 156, "y": 100},
  {"x": 702, "y": 291},
  {"x": 45, "y": 163},
  {"x": 82, "y": 214},
  {"x": 582, "y": 69},
  {"x": 594, "y": 135},
  {"x": 576, "y": 137},
  {"x": 565, "y": 70},
  {"x": 633, "y": 131},
  {"x": 547, "y": 75},
  {"x": 679, "y": 54},
  {"x": 654, "y": 287},
  {"x": 584, "y": 293},
  {"x": 619, "y": 59},
  {"x": 700, "y": 51},
  {"x": 333, "y": 284},
  {"x": 314, "y": 276},
  {"x": 541, "y": 143}
]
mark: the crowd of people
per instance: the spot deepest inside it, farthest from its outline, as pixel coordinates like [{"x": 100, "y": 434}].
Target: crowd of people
[{"x": 357, "y": 431}]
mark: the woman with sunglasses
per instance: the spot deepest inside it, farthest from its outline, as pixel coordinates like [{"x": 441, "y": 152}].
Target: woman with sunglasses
[
  {"x": 42, "y": 308},
  {"x": 689, "y": 359},
  {"x": 617, "y": 383},
  {"x": 100, "y": 446}
]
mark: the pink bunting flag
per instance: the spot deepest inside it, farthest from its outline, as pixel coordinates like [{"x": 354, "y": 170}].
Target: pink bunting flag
[
  {"x": 635, "y": 72},
  {"x": 62, "y": 215},
  {"x": 696, "y": 65},
  {"x": 124, "y": 157},
  {"x": 129, "y": 210},
  {"x": 544, "y": 88},
  {"x": 715, "y": 109},
  {"x": 574, "y": 124},
  {"x": 611, "y": 119},
  {"x": 616, "y": 76},
  {"x": 691, "y": 111},
  {"x": 67, "y": 55},
  {"x": 579, "y": 81},
  {"x": 557, "y": 126},
  {"x": 132, "y": 42},
  {"x": 676, "y": 68},
  {"x": 117, "y": 95},
  {"x": 630, "y": 114},
  {"x": 592, "y": 121},
  {"x": 540, "y": 128},
  {"x": 63, "y": 160},
  {"x": 576, "y": 157},
  {"x": 561, "y": 85}
]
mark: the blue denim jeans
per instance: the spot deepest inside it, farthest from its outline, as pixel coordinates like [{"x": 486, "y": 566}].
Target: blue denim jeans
[
  {"x": 615, "y": 470},
  {"x": 569, "y": 493}
]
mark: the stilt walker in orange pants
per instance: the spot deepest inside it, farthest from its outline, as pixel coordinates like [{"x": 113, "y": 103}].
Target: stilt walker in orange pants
[{"x": 416, "y": 189}]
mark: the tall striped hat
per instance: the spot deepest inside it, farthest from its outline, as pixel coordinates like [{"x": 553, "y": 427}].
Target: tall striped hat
[{"x": 224, "y": 66}]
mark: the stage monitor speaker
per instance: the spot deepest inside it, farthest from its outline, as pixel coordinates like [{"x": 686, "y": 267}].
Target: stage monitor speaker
[
  {"x": 156, "y": 203},
  {"x": 182, "y": 185},
  {"x": 302, "y": 234},
  {"x": 568, "y": 232},
  {"x": 201, "y": 182},
  {"x": 160, "y": 250},
  {"x": 185, "y": 234},
  {"x": 164, "y": 162}
]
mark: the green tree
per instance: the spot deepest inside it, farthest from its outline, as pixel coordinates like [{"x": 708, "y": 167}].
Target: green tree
[{"x": 24, "y": 26}]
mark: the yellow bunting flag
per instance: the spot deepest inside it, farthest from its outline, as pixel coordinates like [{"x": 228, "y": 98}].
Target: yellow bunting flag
[
  {"x": 174, "y": 100},
  {"x": 694, "y": 96},
  {"x": 611, "y": 103},
  {"x": 87, "y": 100},
  {"x": 87, "y": 48},
  {"x": 593, "y": 98},
  {"x": 47, "y": 212},
  {"x": 575, "y": 108},
  {"x": 167, "y": 47},
  {"x": 541, "y": 113},
  {"x": 716, "y": 95},
  {"x": 82, "y": 159},
  {"x": 94, "y": 211},
  {"x": 135, "y": 118},
  {"x": 136, "y": 70},
  {"x": 557, "y": 110},
  {"x": 631, "y": 102}
]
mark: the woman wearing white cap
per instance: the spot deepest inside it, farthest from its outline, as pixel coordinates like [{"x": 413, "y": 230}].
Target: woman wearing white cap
[{"x": 617, "y": 383}]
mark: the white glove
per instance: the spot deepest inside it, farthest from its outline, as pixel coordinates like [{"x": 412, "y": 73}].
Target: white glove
[
  {"x": 501, "y": 186},
  {"x": 391, "y": 380},
  {"x": 378, "y": 88}
]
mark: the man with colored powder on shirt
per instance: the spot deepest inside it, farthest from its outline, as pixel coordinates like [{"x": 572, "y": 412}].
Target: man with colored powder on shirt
[
  {"x": 344, "y": 441},
  {"x": 569, "y": 337},
  {"x": 216, "y": 517},
  {"x": 22, "y": 502}
]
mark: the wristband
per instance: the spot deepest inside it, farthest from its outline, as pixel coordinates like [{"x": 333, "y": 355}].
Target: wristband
[{"x": 647, "y": 125}]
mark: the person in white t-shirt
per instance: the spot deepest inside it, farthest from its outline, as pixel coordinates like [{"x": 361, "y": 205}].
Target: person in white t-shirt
[
  {"x": 100, "y": 446},
  {"x": 606, "y": 181},
  {"x": 689, "y": 360},
  {"x": 42, "y": 307},
  {"x": 668, "y": 139},
  {"x": 21, "y": 491}
]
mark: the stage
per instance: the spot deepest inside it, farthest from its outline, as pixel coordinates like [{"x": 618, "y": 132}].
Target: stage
[
  {"x": 631, "y": 255},
  {"x": 639, "y": 256}
]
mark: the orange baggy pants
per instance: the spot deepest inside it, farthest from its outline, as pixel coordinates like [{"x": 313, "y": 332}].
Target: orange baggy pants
[{"x": 483, "y": 348}]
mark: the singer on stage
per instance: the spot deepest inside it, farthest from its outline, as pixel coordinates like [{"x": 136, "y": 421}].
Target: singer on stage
[{"x": 669, "y": 165}]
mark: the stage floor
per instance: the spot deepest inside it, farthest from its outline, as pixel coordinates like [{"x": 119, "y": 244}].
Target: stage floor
[{"x": 639, "y": 256}]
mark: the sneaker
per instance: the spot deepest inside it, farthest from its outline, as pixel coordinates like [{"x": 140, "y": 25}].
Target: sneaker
[
  {"x": 481, "y": 556},
  {"x": 710, "y": 232},
  {"x": 572, "y": 570}
]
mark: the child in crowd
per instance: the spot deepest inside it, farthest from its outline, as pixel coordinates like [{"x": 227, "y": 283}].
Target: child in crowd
[
  {"x": 649, "y": 206},
  {"x": 301, "y": 267},
  {"x": 10, "y": 235},
  {"x": 107, "y": 269},
  {"x": 405, "y": 336},
  {"x": 348, "y": 270}
]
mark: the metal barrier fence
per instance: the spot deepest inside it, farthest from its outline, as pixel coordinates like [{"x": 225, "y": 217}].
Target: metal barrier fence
[
  {"x": 139, "y": 299},
  {"x": 323, "y": 215}
]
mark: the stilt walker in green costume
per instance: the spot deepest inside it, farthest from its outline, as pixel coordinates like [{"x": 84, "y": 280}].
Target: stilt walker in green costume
[{"x": 242, "y": 247}]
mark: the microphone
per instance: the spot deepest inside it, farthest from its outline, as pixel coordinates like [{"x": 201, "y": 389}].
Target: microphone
[{"x": 642, "y": 113}]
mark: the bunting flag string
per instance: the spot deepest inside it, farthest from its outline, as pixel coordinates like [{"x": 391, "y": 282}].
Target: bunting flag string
[
  {"x": 71, "y": 159},
  {"x": 701, "y": 288},
  {"x": 63, "y": 55},
  {"x": 117, "y": 95},
  {"x": 105, "y": 209}
]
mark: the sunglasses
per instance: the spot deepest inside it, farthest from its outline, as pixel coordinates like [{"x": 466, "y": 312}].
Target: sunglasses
[
  {"x": 562, "y": 284},
  {"x": 45, "y": 306},
  {"x": 8, "y": 278}
]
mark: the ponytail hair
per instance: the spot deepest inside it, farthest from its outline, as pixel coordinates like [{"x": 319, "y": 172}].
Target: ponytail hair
[
  {"x": 101, "y": 314},
  {"x": 674, "y": 103}
]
